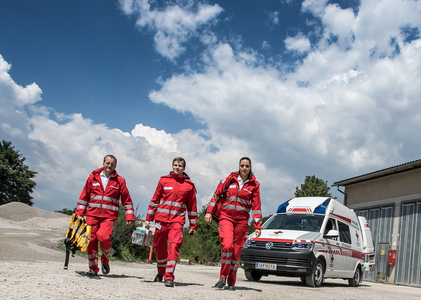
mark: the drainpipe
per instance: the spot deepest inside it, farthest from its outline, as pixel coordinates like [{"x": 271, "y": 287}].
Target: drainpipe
[{"x": 345, "y": 198}]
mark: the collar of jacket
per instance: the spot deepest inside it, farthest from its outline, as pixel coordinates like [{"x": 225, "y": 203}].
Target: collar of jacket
[
  {"x": 183, "y": 177},
  {"x": 235, "y": 175}
]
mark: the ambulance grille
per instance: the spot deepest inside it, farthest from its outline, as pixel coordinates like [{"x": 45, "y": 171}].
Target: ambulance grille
[{"x": 276, "y": 245}]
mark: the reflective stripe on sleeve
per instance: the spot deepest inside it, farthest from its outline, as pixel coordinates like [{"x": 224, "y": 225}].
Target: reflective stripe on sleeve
[{"x": 129, "y": 212}]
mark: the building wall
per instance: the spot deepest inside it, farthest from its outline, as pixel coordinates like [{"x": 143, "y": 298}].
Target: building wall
[
  {"x": 389, "y": 190},
  {"x": 392, "y": 186}
]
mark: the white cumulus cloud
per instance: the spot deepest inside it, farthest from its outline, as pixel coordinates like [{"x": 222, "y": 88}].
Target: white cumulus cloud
[{"x": 173, "y": 25}]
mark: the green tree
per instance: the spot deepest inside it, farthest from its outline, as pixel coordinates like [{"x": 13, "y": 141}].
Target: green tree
[
  {"x": 205, "y": 243},
  {"x": 67, "y": 211},
  {"x": 123, "y": 248},
  {"x": 16, "y": 184},
  {"x": 313, "y": 187}
]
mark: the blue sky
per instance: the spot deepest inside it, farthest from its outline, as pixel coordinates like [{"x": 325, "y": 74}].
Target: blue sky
[{"x": 325, "y": 88}]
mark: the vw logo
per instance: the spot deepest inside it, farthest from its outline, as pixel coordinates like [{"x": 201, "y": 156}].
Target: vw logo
[{"x": 269, "y": 245}]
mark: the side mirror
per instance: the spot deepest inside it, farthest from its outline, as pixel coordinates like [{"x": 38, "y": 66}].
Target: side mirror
[{"x": 332, "y": 234}]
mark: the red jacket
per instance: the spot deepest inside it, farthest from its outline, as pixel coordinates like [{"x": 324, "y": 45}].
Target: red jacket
[
  {"x": 96, "y": 202},
  {"x": 237, "y": 203},
  {"x": 173, "y": 196}
]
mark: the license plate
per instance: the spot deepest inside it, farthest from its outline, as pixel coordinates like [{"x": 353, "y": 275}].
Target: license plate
[{"x": 265, "y": 266}]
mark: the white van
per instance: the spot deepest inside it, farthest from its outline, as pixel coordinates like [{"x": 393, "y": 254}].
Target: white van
[{"x": 312, "y": 238}]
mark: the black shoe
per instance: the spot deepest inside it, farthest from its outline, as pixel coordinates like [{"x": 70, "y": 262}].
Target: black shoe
[
  {"x": 105, "y": 269},
  {"x": 221, "y": 283},
  {"x": 92, "y": 273},
  {"x": 158, "y": 278},
  {"x": 169, "y": 283},
  {"x": 231, "y": 288}
]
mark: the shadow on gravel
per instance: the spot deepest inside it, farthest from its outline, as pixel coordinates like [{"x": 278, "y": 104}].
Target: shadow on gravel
[
  {"x": 187, "y": 284},
  {"x": 82, "y": 273},
  {"x": 243, "y": 288},
  {"x": 326, "y": 284}
]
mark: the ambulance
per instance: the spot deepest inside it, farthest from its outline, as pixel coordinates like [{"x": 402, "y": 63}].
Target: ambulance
[{"x": 312, "y": 238}]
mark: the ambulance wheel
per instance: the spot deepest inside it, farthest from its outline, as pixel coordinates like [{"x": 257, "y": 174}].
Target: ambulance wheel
[
  {"x": 355, "y": 281},
  {"x": 252, "y": 275},
  {"x": 315, "y": 279}
]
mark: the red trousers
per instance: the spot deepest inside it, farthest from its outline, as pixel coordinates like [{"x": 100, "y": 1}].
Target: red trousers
[
  {"x": 232, "y": 234},
  {"x": 166, "y": 257},
  {"x": 101, "y": 230}
]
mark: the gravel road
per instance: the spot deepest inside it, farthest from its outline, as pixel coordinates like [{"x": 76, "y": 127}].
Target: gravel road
[{"x": 32, "y": 268}]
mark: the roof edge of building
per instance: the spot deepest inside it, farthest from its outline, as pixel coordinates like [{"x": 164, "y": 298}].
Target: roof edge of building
[{"x": 380, "y": 173}]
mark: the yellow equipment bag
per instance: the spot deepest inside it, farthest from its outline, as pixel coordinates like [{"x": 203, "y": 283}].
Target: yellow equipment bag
[{"x": 77, "y": 237}]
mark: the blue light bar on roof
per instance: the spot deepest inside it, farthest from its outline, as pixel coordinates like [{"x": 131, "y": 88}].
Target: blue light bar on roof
[
  {"x": 321, "y": 209},
  {"x": 283, "y": 207}
]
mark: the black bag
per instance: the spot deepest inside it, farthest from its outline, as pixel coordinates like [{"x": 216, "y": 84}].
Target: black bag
[{"x": 216, "y": 213}]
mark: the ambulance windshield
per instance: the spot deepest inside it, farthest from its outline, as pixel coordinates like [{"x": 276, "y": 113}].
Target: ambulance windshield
[{"x": 295, "y": 222}]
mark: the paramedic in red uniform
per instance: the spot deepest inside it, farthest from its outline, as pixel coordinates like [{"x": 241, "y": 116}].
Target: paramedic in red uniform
[
  {"x": 242, "y": 195},
  {"x": 174, "y": 195},
  {"x": 99, "y": 200}
]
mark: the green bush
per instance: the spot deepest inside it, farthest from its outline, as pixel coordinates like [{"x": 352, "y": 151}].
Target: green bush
[
  {"x": 205, "y": 243},
  {"x": 123, "y": 248}
]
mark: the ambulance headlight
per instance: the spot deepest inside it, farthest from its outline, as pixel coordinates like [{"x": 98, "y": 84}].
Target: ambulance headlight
[
  {"x": 247, "y": 243},
  {"x": 306, "y": 246}
]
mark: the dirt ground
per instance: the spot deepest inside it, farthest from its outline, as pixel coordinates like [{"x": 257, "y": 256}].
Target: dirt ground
[{"x": 31, "y": 267}]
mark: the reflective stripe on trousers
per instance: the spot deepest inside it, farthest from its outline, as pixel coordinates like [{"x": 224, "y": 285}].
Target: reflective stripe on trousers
[
  {"x": 101, "y": 230},
  {"x": 232, "y": 235},
  {"x": 173, "y": 232}
]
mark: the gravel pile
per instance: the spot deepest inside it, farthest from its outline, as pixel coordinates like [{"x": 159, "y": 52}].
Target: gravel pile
[
  {"x": 30, "y": 216},
  {"x": 17, "y": 211}
]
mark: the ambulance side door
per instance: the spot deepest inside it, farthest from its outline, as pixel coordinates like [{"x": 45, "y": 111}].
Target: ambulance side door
[
  {"x": 349, "y": 261},
  {"x": 334, "y": 263}
]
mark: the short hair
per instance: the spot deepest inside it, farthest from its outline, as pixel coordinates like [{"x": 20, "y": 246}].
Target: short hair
[
  {"x": 179, "y": 159},
  {"x": 111, "y": 156}
]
